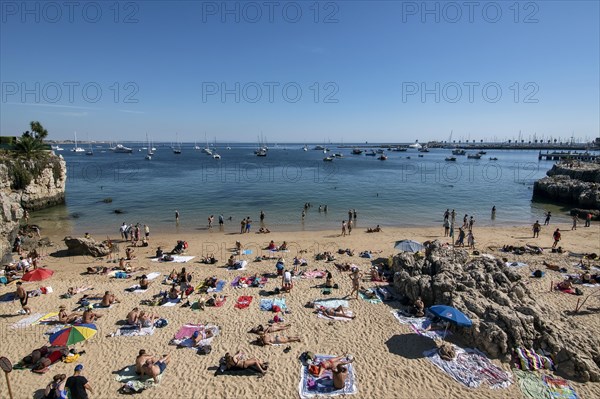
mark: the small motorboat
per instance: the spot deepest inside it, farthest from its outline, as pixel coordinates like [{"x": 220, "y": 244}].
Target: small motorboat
[
  {"x": 328, "y": 159},
  {"x": 370, "y": 153},
  {"x": 357, "y": 151},
  {"x": 482, "y": 152},
  {"x": 459, "y": 151},
  {"x": 382, "y": 157},
  {"x": 474, "y": 156},
  {"x": 451, "y": 159},
  {"x": 420, "y": 155},
  {"x": 493, "y": 159}
]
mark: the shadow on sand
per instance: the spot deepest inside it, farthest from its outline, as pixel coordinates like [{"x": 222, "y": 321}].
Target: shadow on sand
[{"x": 409, "y": 346}]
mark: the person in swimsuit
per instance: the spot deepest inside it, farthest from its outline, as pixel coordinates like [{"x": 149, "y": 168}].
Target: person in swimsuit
[
  {"x": 65, "y": 317},
  {"x": 355, "y": 276},
  {"x": 23, "y": 298},
  {"x": 268, "y": 339},
  {"x": 200, "y": 335},
  {"x": 330, "y": 313},
  {"x": 108, "y": 299},
  {"x": 147, "y": 320},
  {"x": 333, "y": 363},
  {"x": 238, "y": 362},
  {"x": 141, "y": 358},
  {"x": 270, "y": 329},
  {"x": 132, "y": 317},
  {"x": 154, "y": 369}
]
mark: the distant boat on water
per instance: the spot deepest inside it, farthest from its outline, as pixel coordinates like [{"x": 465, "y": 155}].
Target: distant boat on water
[
  {"x": 451, "y": 159},
  {"x": 415, "y": 145},
  {"x": 357, "y": 151},
  {"x": 458, "y": 151},
  {"x": 328, "y": 159},
  {"x": 56, "y": 148},
  {"x": 382, "y": 157},
  {"x": 76, "y": 148},
  {"x": 121, "y": 149},
  {"x": 474, "y": 156},
  {"x": 423, "y": 149},
  {"x": 370, "y": 153},
  {"x": 177, "y": 150}
]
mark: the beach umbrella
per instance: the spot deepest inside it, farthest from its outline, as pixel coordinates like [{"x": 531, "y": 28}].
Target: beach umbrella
[
  {"x": 38, "y": 275},
  {"x": 73, "y": 334},
  {"x": 451, "y": 314},
  {"x": 409, "y": 246}
]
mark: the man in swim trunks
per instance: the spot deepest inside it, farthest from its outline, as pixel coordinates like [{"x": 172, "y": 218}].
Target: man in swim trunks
[
  {"x": 154, "y": 369},
  {"x": 23, "y": 298},
  {"x": 108, "y": 299},
  {"x": 141, "y": 358},
  {"x": 89, "y": 316}
]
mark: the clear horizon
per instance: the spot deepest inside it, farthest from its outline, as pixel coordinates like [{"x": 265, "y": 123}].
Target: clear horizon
[{"x": 312, "y": 72}]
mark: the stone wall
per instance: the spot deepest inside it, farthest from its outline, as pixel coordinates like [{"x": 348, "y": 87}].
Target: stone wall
[{"x": 45, "y": 190}]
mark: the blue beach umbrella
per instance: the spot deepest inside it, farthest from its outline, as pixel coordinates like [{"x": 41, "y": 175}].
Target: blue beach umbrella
[
  {"x": 451, "y": 314},
  {"x": 409, "y": 246}
]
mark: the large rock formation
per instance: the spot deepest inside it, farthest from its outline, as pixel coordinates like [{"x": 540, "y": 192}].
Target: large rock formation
[
  {"x": 46, "y": 188},
  {"x": 504, "y": 312},
  {"x": 86, "y": 246},
  {"x": 575, "y": 185}
]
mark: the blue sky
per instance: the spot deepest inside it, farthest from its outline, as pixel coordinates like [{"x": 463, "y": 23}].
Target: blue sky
[{"x": 379, "y": 71}]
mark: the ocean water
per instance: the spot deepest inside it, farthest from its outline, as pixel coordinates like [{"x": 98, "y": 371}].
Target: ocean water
[{"x": 400, "y": 191}]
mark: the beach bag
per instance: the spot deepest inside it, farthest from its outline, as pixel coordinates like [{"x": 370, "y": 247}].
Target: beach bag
[
  {"x": 3, "y": 280},
  {"x": 129, "y": 389},
  {"x": 160, "y": 323},
  {"x": 538, "y": 273},
  {"x": 578, "y": 291},
  {"x": 204, "y": 350}
]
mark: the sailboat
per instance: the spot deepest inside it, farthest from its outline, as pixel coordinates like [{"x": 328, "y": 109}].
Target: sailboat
[
  {"x": 149, "y": 152},
  {"x": 90, "y": 151},
  {"x": 196, "y": 146},
  {"x": 206, "y": 149},
  {"x": 77, "y": 149},
  {"x": 178, "y": 149},
  {"x": 305, "y": 148},
  {"x": 56, "y": 147}
]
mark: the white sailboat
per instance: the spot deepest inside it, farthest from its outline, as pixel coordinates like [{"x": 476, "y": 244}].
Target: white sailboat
[
  {"x": 196, "y": 146},
  {"x": 56, "y": 148},
  {"x": 149, "y": 151},
  {"x": 177, "y": 150},
  {"x": 90, "y": 151},
  {"x": 415, "y": 145},
  {"x": 76, "y": 148},
  {"x": 207, "y": 149}
]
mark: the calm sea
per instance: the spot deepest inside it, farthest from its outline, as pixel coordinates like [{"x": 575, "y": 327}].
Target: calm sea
[{"x": 400, "y": 191}]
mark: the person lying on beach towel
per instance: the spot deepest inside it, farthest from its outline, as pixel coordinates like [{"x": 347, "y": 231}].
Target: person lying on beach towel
[
  {"x": 266, "y": 339},
  {"x": 214, "y": 300},
  {"x": 374, "y": 230},
  {"x": 40, "y": 359},
  {"x": 97, "y": 270},
  {"x": 330, "y": 364},
  {"x": 239, "y": 361},
  {"x": 198, "y": 336},
  {"x": 76, "y": 290},
  {"x": 270, "y": 329},
  {"x": 330, "y": 313},
  {"x": 66, "y": 318},
  {"x": 89, "y": 316},
  {"x": 154, "y": 369},
  {"x": 108, "y": 299}
]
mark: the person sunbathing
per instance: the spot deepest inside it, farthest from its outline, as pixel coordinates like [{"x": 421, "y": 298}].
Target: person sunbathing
[
  {"x": 129, "y": 254},
  {"x": 198, "y": 336},
  {"x": 89, "y": 316},
  {"x": 418, "y": 308},
  {"x": 173, "y": 292},
  {"x": 330, "y": 313},
  {"x": 565, "y": 285},
  {"x": 132, "y": 316},
  {"x": 97, "y": 270},
  {"x": 239, "y": 362},
  {"x": 268, "y": 339},
  {"x": 270, "y": 329},
  {"x": 344, "y": 267},
  {"x": 108, "y": 299},
  {"x": 272, "y": 246},
  {"x": 65, "y": 317},
  {"x": 375, "y": 275},
  {"x": 368, "y": 293},
  {"x": 333, "y": 363},
  {"x": 283, "y": 246},
  {"x": 173, "y": 275},
  {"x": 159, "y": 252},
  {"x": 141, "y": 358},
  {"x": 264, "y": 230},
  {"x": 209, "y": 260},
  {"x": 329, "y": 280},
  {"x": 144, "y": 282},
  {"x": 147, "y": 319},
  {"x": 551, "y": 266},
  {"x": 211, "y": 282},
  {"x": 76, "y": 290},
  {"x": 155, "y": 368}
]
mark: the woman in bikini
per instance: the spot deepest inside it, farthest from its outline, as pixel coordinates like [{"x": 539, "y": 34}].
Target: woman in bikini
[
  {"x": 340, "y": 311},
  {"x": 270, "y": 329},
  {"x": 237, "y": 362},
  {"x": 333, "y": 363}
]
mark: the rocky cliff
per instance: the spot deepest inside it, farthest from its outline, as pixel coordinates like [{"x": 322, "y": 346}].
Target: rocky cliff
[
  {"x": 27, "y": 185},
  {"x": 577, "y": 185},
  {"x": 504, "y": 312}
]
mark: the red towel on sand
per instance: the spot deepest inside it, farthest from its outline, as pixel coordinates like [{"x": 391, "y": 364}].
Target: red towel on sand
[{"x": 243, "y": 302}]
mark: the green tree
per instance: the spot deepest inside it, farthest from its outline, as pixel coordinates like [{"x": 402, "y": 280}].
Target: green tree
[{"x": 32, "y": 142}]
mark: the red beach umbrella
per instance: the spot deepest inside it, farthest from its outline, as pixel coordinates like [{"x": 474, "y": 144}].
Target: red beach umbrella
[{"x": 38, "y": 275}]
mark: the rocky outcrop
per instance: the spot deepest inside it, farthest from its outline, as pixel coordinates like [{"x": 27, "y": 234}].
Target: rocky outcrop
[
  {"x": 46, "y": 188},
  {"x": 505, "y": 314},
  {"x": 86, "y": 246},
  {"x": 577, "y": 185}
]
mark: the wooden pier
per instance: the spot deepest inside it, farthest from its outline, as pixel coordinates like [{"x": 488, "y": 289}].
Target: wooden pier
[{"x": 568, "y": 155}]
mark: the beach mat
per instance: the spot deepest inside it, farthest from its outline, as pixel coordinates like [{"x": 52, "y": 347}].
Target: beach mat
[
  {"x": 243, "y": 302},
  {"x": 348, "y": 312},
  {"x": 313, "y": 274},
  {"x": 322, "y": 386},
  {"x": 559, "y": 388},
  {"x": 176, "y": 259},
  {"x": 183, "y": 336},
  {"x": 48, "y": 318},
  {"x": 515, "y": 264},
  {"x": 128, "y": 376},
  {"x": 171, "y": 302},
  {"x": 471, "y": 368},
  {"x": 220, "y": 286},
  {"x": 266, "y": 304},
  {"x": 420, "y": 328},
  {"x": 27, "y": 321},
  {"x": 331, "y": 303},
  {"x": 531, "y": 385},
  {"x": 133, "y": 331},
  {"x": 371, "y": 300},
  {"x": 153, "y": 275}
]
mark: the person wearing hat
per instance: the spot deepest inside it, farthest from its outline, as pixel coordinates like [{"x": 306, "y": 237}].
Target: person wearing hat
[
  {"x": 78, "y": 385},
  {"x": 65, "y": 317}
]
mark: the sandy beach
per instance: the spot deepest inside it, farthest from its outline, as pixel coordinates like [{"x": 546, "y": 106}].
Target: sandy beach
[{"x": 389, "y": 361}]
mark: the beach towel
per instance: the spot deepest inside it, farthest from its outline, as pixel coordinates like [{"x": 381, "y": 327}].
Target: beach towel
[
  {"x": 331, "y": 303},
  {"x": 471, "y": 368},
  {"x": 239, "y": 265},
  {"x": 99, "y": 306},
  {"x": 49, "y": 318},
  {"x": 515, "y": 264},
  {"x": 128, "y": 376},
  {"x": 27, "y": 321},
  {"x": 152, "y": 276},
  {"x": 531, "y": 385},
  {"x": 559, "y": 388},
  {"x": 58, "y": 327},
  {"x": 219, "y": 287},
  {"x": 176, "y": 259},
  {"x": 248, "y": 281},
  {"x": 183, "y": 336},
  {"x": 243, "y": 302},
  {"x": 528, "y": 359},
  {"x": 314, "y": 274},
  {"x": 267, "y": 304},
  {"x": 136, "y": 288},
  {"x": 247, "y": 252},
  {"x": 311, "y": 386},
  {"x": 171, "y": 302},
  {"x": 405, "y": 319},
  {"x": 133, "y": 331},
  {"x": 377, "y": 299},
  {"x": 420, "y": 328}
]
